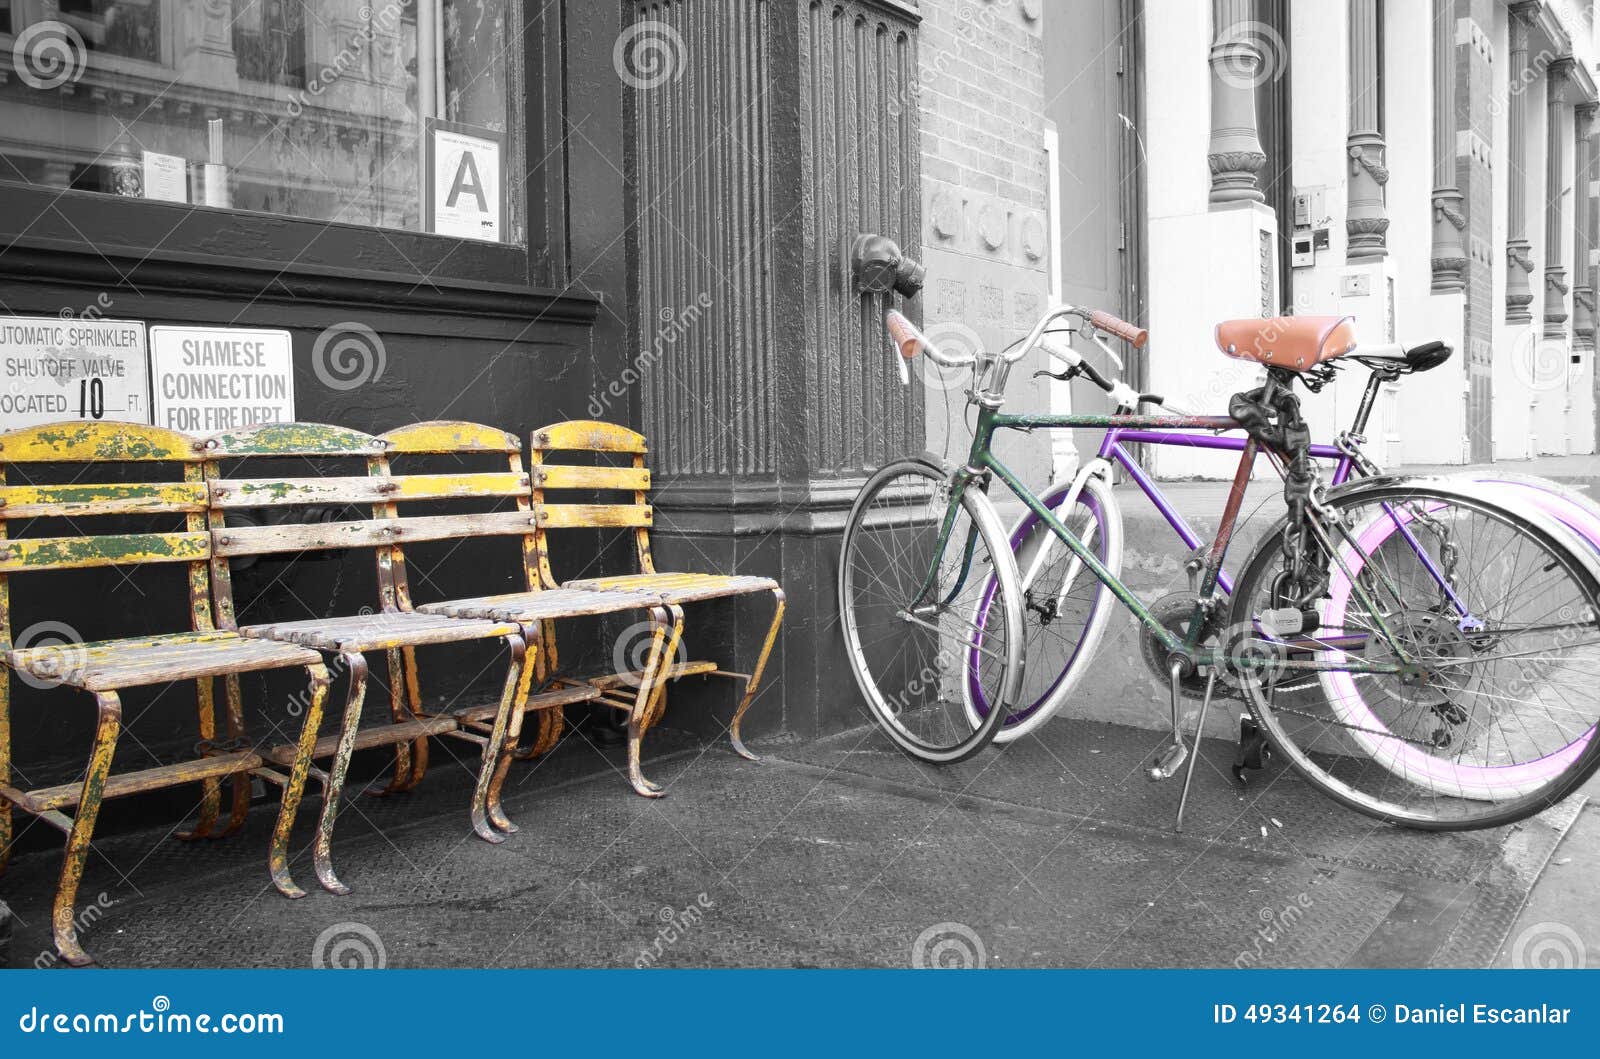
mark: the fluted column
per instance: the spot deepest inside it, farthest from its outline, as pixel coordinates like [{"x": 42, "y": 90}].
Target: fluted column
[
  {"x": 1519, "y": 260},
  {"x": 1366, "y": 223},
  {"x": 1583, "y": 319},
  {"x": 1556, "y": 287},
  {"x": 1235, "y": 154},
  {"x": 1449, "y": 256}
]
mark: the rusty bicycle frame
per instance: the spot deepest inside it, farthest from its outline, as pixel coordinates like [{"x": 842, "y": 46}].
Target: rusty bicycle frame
[{"x": 982, "y": 465}]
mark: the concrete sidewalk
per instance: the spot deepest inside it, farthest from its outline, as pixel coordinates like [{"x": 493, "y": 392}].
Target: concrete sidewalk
[{"x": 841, "y": 852}]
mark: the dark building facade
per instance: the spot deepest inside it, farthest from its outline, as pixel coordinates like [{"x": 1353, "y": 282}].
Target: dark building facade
[{"x": 681, "y": 185}]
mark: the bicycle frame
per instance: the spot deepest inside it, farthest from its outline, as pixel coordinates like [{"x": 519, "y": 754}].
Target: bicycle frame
[{"x": 982, "y": 461}]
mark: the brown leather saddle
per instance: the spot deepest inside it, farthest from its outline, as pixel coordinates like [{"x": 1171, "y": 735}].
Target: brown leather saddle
[{"x": 1297, "y": 343}]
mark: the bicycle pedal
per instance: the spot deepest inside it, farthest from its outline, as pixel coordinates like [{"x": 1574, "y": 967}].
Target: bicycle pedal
[{"x": 1168, "y": 764}]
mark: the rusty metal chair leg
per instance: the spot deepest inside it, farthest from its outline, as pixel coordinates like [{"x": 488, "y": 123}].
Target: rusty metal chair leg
[
  {"x": 321, "y": 851},
  {"x": 210, "y": 788},
  {"x": 755, "y": 679},
  {"x": 401, "y": 779},
  {"x": 241, "y": 782},
  {"x": 663, "y": 648},
  {"x": 419, "y": 747},
  {"x": 551, "y": 722},
  {"x": 508, "y": 752},
  {"x": 6, "y": 833},
  {"x": 509, "y": 704},
  {"x": 77, "y": 852},
  {"x": 278, "y": 856}
]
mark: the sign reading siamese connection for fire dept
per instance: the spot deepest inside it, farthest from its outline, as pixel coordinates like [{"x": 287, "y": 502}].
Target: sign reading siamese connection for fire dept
[
  {"x": 206, "y": 379},
  {"x": 60, "y": 368}
]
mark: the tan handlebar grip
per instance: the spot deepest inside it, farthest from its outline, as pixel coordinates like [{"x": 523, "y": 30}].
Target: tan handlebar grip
[
  {"x": 1111, "y": 325},
  {"x": 906, "y": 338}
]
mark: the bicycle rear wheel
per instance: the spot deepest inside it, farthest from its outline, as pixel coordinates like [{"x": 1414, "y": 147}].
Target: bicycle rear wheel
[
  {"x": 1492, "y": 718},
  {"x": 923, "y": 590}
]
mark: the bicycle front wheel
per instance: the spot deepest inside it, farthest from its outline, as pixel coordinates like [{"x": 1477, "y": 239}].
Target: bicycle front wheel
[
  {"x": 1065, "y": 608},
  {"x": 926, "y": 587},
  {"x": 1492, "y": 623}
]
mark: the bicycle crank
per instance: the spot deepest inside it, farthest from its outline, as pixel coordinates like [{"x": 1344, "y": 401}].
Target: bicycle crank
[{"x": 1174, "y": 613}]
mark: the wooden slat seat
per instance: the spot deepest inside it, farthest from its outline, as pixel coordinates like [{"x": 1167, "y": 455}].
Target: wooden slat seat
[
  {"x": 381, "y": 631},
  {"x": 679, "y": 587},
  {"x": 66, "y": 795},
  {"x": 546, "y": 605},
  {"x": 383, "y": 735},
  {"x": 138, "y": 661}
]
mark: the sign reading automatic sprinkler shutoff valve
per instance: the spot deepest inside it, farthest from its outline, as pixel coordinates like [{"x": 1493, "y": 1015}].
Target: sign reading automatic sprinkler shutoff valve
[{"x": 72, "y": 368}]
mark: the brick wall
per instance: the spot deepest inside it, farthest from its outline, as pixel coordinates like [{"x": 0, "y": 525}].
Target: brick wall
[{"x": 985, "y": 186}]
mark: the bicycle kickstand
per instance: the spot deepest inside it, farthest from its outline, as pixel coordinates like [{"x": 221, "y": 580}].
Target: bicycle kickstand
[{"x": 1174, "y": 757}]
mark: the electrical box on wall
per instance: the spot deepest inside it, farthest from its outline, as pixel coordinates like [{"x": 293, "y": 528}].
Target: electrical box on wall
[
  {"x": 1302, "y": 248},
  {"x": 1355, "y": 284},
  {"x": 1309, "y": 207},
  {"x": 1310, "y": 227}
]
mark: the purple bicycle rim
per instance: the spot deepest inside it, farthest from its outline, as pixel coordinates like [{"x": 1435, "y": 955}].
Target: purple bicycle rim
[{"x": 980, "y": 701}]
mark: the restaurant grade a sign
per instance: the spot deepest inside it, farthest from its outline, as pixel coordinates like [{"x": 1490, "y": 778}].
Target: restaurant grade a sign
[{"x": 59, "y": 368}]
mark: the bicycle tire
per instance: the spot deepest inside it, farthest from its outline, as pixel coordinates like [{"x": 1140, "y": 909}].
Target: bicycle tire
[
  {"x": 1055, "y": 626},
  {"x": 1360, "y": 728},
  {"x": 877, "y": 633}
]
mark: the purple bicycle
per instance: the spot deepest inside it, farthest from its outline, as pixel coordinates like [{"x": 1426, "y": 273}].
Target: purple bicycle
[{"x": 1066, "y": 610}]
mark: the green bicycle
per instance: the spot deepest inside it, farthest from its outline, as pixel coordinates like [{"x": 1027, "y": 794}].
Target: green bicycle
[{"x": 1481, "y": 619}]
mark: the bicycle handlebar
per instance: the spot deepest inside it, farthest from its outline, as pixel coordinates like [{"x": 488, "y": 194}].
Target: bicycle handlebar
[{"x": 1112, "y": 325}]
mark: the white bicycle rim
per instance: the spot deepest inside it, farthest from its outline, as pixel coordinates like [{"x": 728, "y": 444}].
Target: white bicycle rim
[{"x": 1100, "y": 616}]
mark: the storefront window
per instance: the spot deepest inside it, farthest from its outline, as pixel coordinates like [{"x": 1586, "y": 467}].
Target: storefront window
[{"x": 317, "y": 109}]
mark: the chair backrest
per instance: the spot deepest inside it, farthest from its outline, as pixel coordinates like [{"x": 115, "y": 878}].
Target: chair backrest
[
  {"x": 464, "y": 441},
  {"x": 616, "y": 465},
  {"x": 235, "y": 489},
  {"x": 375, "y": 493},
  {"x": 131, "y": 448}
]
